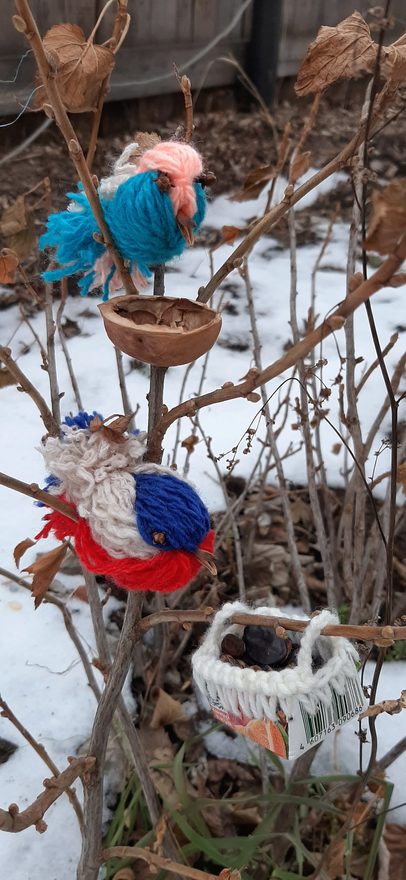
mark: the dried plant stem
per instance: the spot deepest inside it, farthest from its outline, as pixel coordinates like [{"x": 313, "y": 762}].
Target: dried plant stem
[
  {"x": 41, "y": 751},
  {"x": 293, "y": 551},
  {"x": 157, "y": 374},
  {"x": 290, "y": 199},
  {"x": 127, "y": 408},
  {"x": 33, "y": 491},
  {"x": 14, "y": 821},
  {"x": 64, "y": 345},
  {"x": 48, "y": 419},
  {"x": 25, "y": 23},
  {"x": 120, "y": 27},
  {"x": 205, "y": 615},
  {"x": 51, "y": 358},
  {"x": 233, "y": 520},
  {"x": 137, "y": 852},
  {"x": 366, "y": 289},
  {"x": 93, "y": 800},
  {"x": 322, "y": 539},
  {"x": 124, "y": 716}
]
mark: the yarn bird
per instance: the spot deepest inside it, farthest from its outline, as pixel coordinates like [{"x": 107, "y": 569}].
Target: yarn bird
[
  {"x": 139, "y": 524},
  {"x": 152, "y": 209}
]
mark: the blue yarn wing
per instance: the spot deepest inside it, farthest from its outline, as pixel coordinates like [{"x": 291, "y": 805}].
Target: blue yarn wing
[{"x": 141, "y": 222}]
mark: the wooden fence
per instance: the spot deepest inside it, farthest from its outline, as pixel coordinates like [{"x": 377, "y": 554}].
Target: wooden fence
[{"x": 166, "y": 31}]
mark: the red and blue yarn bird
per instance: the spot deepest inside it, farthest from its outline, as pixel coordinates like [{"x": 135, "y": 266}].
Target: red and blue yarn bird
[
  {"x": 151, "y": 209},
  {"x": 139, "y": 524}
]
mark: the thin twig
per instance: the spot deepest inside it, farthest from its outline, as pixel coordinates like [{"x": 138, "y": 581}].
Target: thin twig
[
  {"x": 48, "y": 419},
  {"x": 14, "y": 821},
  {"x": 64, "y": 344},
  {"x": 51, "y": 369},
  {"x": 293, "y": 551},
  {"x": 120, "y": 27},
  {"x": 41, "y": 751},
  {"x": 33, "y": 491},
  {"x": 205, "y": 615},
  {"x": 254, "y": 380},
  {"x": 137, "y": 852}
]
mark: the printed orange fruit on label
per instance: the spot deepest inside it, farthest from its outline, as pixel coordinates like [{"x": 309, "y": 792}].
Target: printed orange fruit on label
[{"x": 268, "y": 734}]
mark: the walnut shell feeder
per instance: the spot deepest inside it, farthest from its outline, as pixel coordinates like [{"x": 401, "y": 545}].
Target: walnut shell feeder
[{"x": 161, "y": 330}]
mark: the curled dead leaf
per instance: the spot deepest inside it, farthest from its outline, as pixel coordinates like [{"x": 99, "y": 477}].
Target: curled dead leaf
[
  {"x": 17, "y": 226},
  {"x": 230, "y": 233},
  {"x": 391, "y": 707},
  {"x": 388, "y": 220},
  {"x": 340, "y": 52},
  {"x": 21, "y": 548},
  {"x": 300, "y": 165},
  {"x": 254, "y": 183},
  {"x": 80, "y": 65},
  {"x": 189, "y": 443},
  {"x": 166, "y": 711},
  {"x": 44, "y": 570},
  {"x": 8, "y": 266}
]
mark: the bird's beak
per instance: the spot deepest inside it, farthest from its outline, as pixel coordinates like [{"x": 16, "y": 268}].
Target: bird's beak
[
  {"x": 206, "y": 559},
  {"x": 186, "y": 226}
]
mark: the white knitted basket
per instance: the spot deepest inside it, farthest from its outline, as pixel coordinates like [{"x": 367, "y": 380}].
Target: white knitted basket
[{"x": 239, "y": 696}]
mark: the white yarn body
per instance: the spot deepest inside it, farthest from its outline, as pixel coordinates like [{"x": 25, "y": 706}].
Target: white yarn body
[
  {"x": 259, "y": 694},
  {"x": 122, "y": 171},
  {"x": 98, "y": 477}
]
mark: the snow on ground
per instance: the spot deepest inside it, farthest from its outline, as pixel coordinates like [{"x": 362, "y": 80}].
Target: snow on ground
[{"x": 37, "y": 658}]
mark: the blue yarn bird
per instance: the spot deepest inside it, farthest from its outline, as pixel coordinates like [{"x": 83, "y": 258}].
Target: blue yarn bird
[{"x": 150, "y": 214}]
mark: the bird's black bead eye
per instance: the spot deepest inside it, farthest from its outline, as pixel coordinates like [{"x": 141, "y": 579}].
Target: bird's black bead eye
[{"x": 159, "y": 538}]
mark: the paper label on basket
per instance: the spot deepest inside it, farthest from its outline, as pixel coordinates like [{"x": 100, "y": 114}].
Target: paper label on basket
[{"x": 289, "y": 737}]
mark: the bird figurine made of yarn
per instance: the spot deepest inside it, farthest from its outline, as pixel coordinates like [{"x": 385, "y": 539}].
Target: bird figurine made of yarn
[
  {"x": 139, "y": 524},
  {"x": 152, "y": 206}
]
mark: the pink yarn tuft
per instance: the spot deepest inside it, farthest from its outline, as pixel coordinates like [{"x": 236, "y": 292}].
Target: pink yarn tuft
[
  {"x": 102, "y": 269},
  {"x": 183, "y": 164}
]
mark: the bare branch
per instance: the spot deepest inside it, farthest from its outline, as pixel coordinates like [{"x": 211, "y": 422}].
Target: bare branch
[
  {"x": 33, "y": 491},
  {"x": 43, "y": 754},
  {"x": 137, "y": 852},
  {"x": 14, "y": 821},
  {"x": 48, "y": 419}
]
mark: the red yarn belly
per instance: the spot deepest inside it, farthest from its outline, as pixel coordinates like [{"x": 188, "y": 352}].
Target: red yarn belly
[{"x": 167, "y": 571}]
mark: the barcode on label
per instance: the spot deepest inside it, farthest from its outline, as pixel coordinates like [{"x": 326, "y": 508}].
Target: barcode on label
[{"x": 328, "y": 717}]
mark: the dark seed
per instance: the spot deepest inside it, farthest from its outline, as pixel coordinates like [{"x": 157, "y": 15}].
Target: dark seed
[
  {"x": 264, "y": 647},
  {"x": 233, "y": 645}
]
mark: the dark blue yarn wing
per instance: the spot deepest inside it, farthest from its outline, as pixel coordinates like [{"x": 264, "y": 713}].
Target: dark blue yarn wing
[
  {"x": 141, "y": 221},
  {"x": 167, "y": 504}
]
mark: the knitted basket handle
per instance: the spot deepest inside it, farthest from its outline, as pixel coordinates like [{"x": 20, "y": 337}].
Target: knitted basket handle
[{"x": 310, "y": 636}]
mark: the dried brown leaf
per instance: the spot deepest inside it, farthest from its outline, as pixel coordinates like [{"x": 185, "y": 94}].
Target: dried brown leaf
[
  {"x": 254, "y": 183},
  {"x": 21, "y": 548},
  {"x": 189, "y": 443},
  {"x": 391, "y": 707},
  {"x": 340, "y": 52},
  {"x": 393, "y": 62},
  {"x": 145, "y": 140},
  {"x": 388, "y": 221},
  {"x": 44, "y": 570},
  {"x": 8, "y": 266},
  {"x": 230, "y": 233},
  {"x": 300, "y": 165},
  {"x": 6, "y": 378},
  {"x": 336, "y": 447},
  {"x": 167, "y": 710},
  {"x": 17, "y": 226},
  {"x": 333, "y": 864},
  {"x": 81, "y": 66}
]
